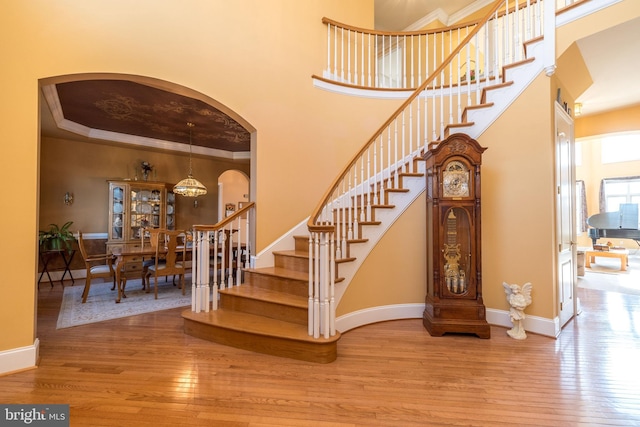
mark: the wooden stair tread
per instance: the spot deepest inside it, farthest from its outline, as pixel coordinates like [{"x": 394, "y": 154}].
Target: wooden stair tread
[
  {"x": 258, "y": 325},
  {"x": 292, "y": 253},
  {"x": 280, "y": 272},
  {"x": 459, "y": 125},
  {"x": 264, "y": 294},
  {"x": 479, "y": 106}
]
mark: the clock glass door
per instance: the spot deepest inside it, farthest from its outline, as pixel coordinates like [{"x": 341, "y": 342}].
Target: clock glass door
[{"x": 457, "y": 252}]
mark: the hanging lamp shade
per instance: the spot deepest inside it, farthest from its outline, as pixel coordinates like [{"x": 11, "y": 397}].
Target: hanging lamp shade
[{"x": 190, "y": 187}]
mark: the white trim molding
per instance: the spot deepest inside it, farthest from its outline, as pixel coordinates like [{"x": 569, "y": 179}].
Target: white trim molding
[
  {"x": 19, "y": 359},
  {"x": 533, "y": 324}
]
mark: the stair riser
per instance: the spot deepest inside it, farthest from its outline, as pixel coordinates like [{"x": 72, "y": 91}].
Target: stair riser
[
  {"x": 292, "y": 262},
  {"x": 264, "y": 308},
  {"x": 309, "y": 352},
  {"x": 280, "y": 284},
  {"x": 301, "y": 243}
]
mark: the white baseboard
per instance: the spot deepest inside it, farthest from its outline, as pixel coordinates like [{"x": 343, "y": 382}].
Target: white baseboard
[
  {"x": 378, "y": 314},
  {"x": 19, "y": 359},
  {"x": 533, "y": 324}
]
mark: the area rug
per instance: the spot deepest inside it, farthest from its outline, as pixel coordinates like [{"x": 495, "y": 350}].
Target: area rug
[{"x": 101, "y": 303}]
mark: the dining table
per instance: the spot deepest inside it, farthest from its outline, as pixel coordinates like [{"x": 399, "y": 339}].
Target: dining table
[
  {"x": 125, "y": 255},
  {"x": 128, "y": 254}
]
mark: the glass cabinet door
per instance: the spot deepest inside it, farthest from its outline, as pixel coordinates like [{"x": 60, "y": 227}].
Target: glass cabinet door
[
  {"x": 171, "y": 211},
  {"x": 117, "y": 212},
  {"x": 146, "y": 211}
]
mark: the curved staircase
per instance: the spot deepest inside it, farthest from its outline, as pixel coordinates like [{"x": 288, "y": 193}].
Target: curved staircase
[
  {"x": 268, "y": 313},
  {"x": 276, "y": 308}
]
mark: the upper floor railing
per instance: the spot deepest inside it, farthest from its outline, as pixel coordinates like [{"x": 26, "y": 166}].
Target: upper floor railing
[{"x": 392, "y": 61}]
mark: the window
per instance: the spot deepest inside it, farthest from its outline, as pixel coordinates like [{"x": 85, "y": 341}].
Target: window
[
  {"x": 622, "y": 147},
  {"x": 618, "y": 191}
]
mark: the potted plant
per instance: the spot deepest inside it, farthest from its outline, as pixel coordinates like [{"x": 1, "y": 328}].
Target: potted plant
[{"x": 56, "y": 237}]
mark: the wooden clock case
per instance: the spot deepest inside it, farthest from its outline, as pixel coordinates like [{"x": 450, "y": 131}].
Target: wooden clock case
[{"x": 454, "y": 269}]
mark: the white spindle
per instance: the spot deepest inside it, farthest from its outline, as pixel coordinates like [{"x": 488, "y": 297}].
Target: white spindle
[
  {"x": 368, "y": 184},
  {"x": 376, "y": 200},
  {"x": 335, "y": 52},
  {"x": 310, "y": 316},
  {"x": 419, "y": 61},
  {"x": 410, "y": 159},
  {"x": 332, "y": 299},
  {"x": 395, "y": 154},
  {"x": 316, "y": 287},
  {"x": 214, "y": 298},
  {"x": 328, "y": 48},
  {"x": 370, "y": 67},
  {"x": 349, "y": 78},
  {"x": 477, "y": 43},
  {"x": 355, "y": 57}
]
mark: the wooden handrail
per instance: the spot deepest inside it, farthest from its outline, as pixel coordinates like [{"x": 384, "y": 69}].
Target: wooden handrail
[
  {"x": 397, "y": 33},
  {"x": 311, "y": 224},
  {"x": 220, "y": 224}
]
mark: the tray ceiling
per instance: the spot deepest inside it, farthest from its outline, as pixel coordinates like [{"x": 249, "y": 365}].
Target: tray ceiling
[{"x": 131, "y": 112}]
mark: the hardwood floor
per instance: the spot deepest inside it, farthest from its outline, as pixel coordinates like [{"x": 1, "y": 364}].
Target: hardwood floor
[{"x": 144, "y": 371}]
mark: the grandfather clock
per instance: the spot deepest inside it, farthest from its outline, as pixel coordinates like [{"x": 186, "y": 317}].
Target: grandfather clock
[{"x": 454, "y": 268}]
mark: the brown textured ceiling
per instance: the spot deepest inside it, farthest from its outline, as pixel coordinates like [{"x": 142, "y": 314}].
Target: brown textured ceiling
[{"x": 127, "y": 107}]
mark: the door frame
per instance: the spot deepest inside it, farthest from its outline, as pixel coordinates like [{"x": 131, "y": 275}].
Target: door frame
[{"x": 565, "y": 181}]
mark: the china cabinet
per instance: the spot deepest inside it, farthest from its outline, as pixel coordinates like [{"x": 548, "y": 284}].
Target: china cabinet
[
  {"x": 454, "y": 268},
  {"x": 134, "y": 208}
]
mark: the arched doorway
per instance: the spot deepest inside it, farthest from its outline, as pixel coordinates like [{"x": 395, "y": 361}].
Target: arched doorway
[
  {"x": 233, "y": 192},
  {"x": 78, "y": 158}
]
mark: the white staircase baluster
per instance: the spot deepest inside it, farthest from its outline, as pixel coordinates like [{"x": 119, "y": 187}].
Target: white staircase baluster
[
  {"x": 316, "y": 286},
  {"x": 349, "y": 76},
  {"x": 214, "y": 297},
  {"x": 409, "y": 160},
  {"x": 342, "y": 54},
  {"x": 367, "y": 184},
  {"x": 355, "y": 58},
  {"x": 310, "y": 311},
  {"x": 370, "y": 67},
  {"x": 335, "y": 52},
  {"x": 478, "y": 72},
  {"x": 332, "y": 299}
]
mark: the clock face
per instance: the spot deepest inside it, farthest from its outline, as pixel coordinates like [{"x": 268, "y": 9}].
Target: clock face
[{"x": 455, "y": 180}]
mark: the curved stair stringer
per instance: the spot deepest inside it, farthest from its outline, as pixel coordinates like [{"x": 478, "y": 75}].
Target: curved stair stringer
[
  {"x": 361, "y": 250},
  {"x": 520, "y": 76}
]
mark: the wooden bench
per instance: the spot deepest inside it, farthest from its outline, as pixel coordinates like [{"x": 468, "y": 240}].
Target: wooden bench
[{"x": 621, "y": 254}]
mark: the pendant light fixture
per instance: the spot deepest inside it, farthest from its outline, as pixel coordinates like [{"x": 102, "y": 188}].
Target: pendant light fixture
[{"x": 190, "y": 187}]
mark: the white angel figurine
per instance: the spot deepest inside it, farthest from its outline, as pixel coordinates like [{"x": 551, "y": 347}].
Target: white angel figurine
[{"x": 518, "y": 298}]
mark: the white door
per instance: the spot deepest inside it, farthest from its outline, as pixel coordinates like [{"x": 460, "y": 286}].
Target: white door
[{"x": 565, "y": 215}]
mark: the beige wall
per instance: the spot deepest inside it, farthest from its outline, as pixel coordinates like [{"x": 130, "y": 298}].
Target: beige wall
[{"x": 84, "y": 168}]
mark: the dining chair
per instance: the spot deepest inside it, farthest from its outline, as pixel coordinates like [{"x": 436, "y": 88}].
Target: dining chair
[
  {"x": 98, "y": 266},
  {"x": 169, "y": 260},
  {"x": 153, "y": 242}
]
